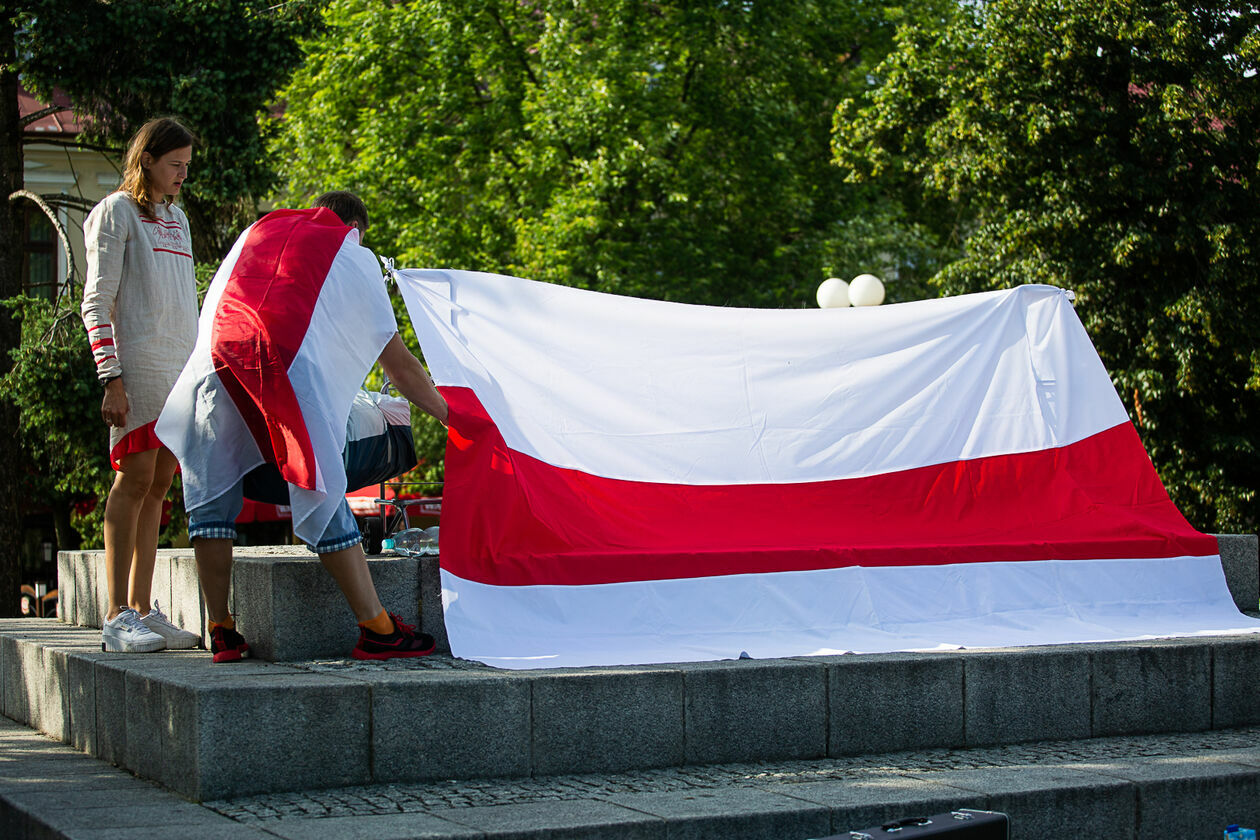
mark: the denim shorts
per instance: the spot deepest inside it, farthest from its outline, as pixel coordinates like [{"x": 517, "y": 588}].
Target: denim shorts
[{"x": 216, "y": 519}]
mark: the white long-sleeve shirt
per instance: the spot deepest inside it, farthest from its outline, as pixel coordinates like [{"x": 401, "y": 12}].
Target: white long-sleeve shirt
[{"x": 139, "y": 302}]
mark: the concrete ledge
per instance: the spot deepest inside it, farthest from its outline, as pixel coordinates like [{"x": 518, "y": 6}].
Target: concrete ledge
[
  {"x": 1240, "y": 559},
  {"x": 213, "y": 731},
  {"x": 286, "y": 605}
]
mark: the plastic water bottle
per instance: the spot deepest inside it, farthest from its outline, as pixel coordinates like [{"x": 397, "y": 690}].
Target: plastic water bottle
[
  {"x": 1236, "y": 832},
  {"x": 413, "y": 542}
]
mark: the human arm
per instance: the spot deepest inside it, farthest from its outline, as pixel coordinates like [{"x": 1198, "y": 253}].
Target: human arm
[
  {"x": 105, "y": 238},
  {"x": 411, "y": 379}
]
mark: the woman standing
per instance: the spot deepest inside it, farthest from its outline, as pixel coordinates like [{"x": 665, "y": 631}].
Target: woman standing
[{"x": 140, "y": 310}]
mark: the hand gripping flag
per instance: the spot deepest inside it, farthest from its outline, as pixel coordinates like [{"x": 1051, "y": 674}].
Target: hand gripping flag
[
  {"x": 293, "y": 321},
  {"x": 631, "y": 481}
]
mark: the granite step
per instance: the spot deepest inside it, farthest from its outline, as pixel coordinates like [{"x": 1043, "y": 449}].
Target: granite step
[
  {"x": 1188, "y": 785},
  {"x": 211, "y": 731}
]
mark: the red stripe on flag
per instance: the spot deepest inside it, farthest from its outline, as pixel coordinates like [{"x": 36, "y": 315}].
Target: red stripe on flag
[
  {"x": 260, "y": 324},
  {"x": 510, "y": 519}
]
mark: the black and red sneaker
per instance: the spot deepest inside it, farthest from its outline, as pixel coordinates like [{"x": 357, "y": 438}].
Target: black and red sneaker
[
  {"x": 226, "y": 644},
  {"x": 403, "y": 642}
]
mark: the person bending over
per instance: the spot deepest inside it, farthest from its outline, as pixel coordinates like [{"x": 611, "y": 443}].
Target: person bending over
[{"x": 293, "y": 321}]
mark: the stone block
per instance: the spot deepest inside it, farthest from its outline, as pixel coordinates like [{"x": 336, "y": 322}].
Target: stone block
[
  {"x": 738, "y": 812},
  {"x": 1240, "y": 559},
  {"x": 290, "y": 609},
  {"x": 258, "y": 729},
  {"x": 66, "y": 589},
  {"x": 432, "y": 619},
  {"x": 81, "y": 694},
  {"x": 562, "y": 819},
  {"x": 1159, "y": 686},
  {"x": 34, "y": 682},
  {"x": 110, "y": 690},
  {"x": 890, "y": 702},
  {"x": 746, "y": 710},
  {"x": 91, "y": 590},
  {"x": 594, "y": 720},
  {"x": 50, "y": 705},
  {"x": 1235, "y": 664},
  {"x": 859, "y": 803},
  {"x": 449, "y": 725},
  {"x": 13, "y": 703},
  {"x": 1027, "y": 694},
  {"x": 160, "y": 588},
  {"x": 1052, "y": 801},
  {"x": 1188, "y": 796},
  {"x": 183, "y": 604}
]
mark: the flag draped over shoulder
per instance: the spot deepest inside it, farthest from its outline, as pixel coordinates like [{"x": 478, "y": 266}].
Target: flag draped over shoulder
[
  {"x": 632, "y": 481},
  {"x": 293, "y": 321}
]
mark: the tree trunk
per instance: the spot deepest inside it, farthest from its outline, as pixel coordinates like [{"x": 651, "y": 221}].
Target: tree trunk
[
  {"x": 68, "y": 537},
  {"x": 12, "y": 459}
]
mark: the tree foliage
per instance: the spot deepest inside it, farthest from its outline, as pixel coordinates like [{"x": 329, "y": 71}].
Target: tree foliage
[
  {"x": 214, "y": 64},
  {"x": 1114, "y": 149},
  {"x": 674, "y": 150}
]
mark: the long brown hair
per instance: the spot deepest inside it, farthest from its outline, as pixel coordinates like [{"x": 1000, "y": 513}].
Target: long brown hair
[{"x": 157, "y": 137}]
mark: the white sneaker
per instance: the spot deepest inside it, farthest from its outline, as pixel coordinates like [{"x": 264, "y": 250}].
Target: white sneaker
[
  {"x": 176, "y": 637},
  {"x": 126, "y": 633}
]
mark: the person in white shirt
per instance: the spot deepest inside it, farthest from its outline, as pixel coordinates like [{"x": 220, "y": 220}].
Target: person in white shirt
[{"x": 140, "y": 311}]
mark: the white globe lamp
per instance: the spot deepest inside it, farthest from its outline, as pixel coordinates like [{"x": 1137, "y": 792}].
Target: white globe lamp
[
  {"x": 833, "y": 293},
  {"x": 866, "y": 290}
]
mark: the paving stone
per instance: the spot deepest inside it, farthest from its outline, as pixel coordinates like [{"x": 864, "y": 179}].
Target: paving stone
[
  {"x": 745, "y": 812},
  {"x": 372, "y": 827},
  {"x": 1029, "y": 694},
  {"x": 859, "y": 803},
  {"x": 606, "y": 720},
  {"x": 748, "y": 710},
  {"x": 450, "y": 724},
  {"x": 209, "y": 830},
  {"x": 872, "y": 710},
  {"x": 561, "y": 820},
  {"x": 1158, "y": 686}
]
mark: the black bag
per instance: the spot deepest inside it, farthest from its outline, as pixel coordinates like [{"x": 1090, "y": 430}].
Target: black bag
[
  {"x": 379, "y": 446},
  {"x": 960, "y": 824}
]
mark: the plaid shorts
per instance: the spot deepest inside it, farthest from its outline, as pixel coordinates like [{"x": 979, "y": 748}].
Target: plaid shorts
[{"x": 216, "y": 520}]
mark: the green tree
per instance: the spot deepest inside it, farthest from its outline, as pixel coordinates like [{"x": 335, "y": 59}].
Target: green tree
[
  {"x": 213, "y": 63},
  {"x": 667, "y": 149},
  {"x": 1111, "y": 148}
]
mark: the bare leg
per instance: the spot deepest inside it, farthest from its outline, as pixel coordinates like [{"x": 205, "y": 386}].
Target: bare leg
[
  {"x": 122, "y": 512},
  {"x": 148, "y": 523},
  {"x": 349, "y": 569},
  {"x": 214, "y": 567}
]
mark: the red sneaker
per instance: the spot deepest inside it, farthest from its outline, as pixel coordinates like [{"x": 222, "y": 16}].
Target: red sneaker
[
  {"x": 227, "y": 645},
  {"x": 403, "y": 642}
]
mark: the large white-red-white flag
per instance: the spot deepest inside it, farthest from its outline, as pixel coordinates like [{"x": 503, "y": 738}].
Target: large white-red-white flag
[
  {"x": 632, "y": 481},
  {"x": 294, "y": 319}
]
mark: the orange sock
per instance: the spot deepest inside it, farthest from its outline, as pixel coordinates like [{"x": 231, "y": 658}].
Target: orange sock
[
  {"x": 382, "y": 625},
  {"x": 228, "y": 623}
]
